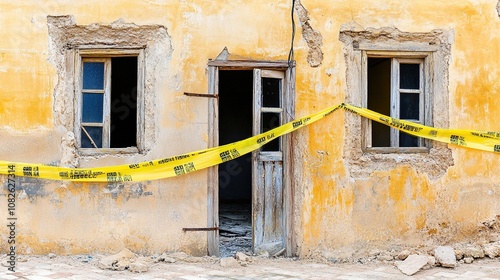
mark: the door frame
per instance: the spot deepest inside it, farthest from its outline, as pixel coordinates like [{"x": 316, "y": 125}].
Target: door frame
[{"x": 213, "y": 140}]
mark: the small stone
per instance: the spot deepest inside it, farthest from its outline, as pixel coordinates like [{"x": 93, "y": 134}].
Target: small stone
[
  {"x": 430, "y": 263},
  {"x": 412, "y": 264},
  {"x": 138, "y": 266},
  {"x": 165, "y": 258},
  {"x": 51, "y": 255},
  {"x": 229, "y": 262},
  {"x": 492, "y": 250},
  {"x": 385, "y": 257},
  {"x": 445, "y": 256},
  {"x": 169, "y": 260},
  {"x": 179, "y": 256},
  {"x": 473, "y": 251},
  {"x": 468, "y": 260},
  {"x": 459, "y": 254},
  {"x": 120, "y": 265},
  {"x": 242, "y": 257},
  {"x": 374, "y": 252},
  {"x": 403, "y": 255},
  {"x": 118, "y": 261}
]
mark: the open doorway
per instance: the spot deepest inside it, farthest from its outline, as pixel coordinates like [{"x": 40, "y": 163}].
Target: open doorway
[
  {"x": 235, "y": 177},
  {"x": 249, "y": 198}
]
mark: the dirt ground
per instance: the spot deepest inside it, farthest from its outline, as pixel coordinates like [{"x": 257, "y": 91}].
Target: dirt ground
[{"x": 87, "y": 267}]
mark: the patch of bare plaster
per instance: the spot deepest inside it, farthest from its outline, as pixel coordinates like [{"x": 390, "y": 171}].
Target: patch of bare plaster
[
  {"x": 313, "y": 38},
  {"x": 69, "y": 156}
]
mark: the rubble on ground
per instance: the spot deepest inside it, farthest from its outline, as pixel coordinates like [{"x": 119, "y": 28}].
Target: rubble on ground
[
  {"x": 413, "y": 264},
  {"x": 468, "y": 260},
  {"x": 235, "y": 230},
  {"x": 492, "y": 250},
  {"x": 127, "y": 260},
  {"x": 229, "y": 262},
  {"x": 242, "y": 257},
  {"x": 445, "y": 256},
  {"x": 119, "y": 261},
  {"x": 409, "y": 260}
]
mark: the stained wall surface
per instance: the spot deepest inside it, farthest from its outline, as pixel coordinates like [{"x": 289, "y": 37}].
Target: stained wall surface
[{"x": 338, "y": 203}]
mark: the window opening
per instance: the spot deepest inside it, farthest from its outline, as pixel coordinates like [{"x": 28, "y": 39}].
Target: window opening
[
  {"x": 109, "y": 102},
  {"x": 395, "y": 88}
]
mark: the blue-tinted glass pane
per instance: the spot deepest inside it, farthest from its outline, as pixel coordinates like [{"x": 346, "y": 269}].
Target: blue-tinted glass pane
[
  {"x": 409, "y": 76},
  {"x": 93, "y": 75},
  {"x": 92, "y": 107},
  {"x": 96, "y": 135},
  {"x": 407, "y": 140},
  {"x": 409, "y": 106}
]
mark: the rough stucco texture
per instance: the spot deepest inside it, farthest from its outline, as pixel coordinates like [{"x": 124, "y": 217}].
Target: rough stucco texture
[{"x": 333, "y": 207}]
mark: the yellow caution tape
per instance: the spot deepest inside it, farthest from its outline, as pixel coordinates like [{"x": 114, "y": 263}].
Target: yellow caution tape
[
  {"x": 480, "y": 140},
  {"x": 187, "y": 163},
  {"x": 160, "y": 168}
]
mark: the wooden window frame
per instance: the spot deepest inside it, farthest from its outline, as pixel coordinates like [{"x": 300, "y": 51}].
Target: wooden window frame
[
  {"x": 396, "y": 91},
  {"x": 258, "y": 75},
  {"x": 105, "y": 55},
  {"x": 425, "y": 89}
]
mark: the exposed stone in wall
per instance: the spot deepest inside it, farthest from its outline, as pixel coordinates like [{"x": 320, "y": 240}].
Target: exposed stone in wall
[
  {"x": 69, "y": 156},
  {"x": 313, "y": 38}
]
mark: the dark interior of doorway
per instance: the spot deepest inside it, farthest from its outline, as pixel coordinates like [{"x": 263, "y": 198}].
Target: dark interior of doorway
[{"x": 235, "y": 176}]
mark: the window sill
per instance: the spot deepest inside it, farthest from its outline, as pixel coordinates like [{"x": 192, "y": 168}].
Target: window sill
[
  {"x": 107, "y": 151},
  {"x": 396, "y": 150}
]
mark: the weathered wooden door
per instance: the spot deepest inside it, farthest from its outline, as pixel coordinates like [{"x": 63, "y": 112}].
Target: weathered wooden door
[{"x": 268, "y": 215}]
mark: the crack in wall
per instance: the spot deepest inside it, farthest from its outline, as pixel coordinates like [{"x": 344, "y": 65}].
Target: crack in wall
[{"x": 313, "y": 38}]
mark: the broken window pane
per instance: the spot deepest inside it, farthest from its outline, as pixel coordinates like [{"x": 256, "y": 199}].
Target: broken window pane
[
  {"x": 123, "y": 102},
  {"x": 92, "y": 108},
  {"x": 271, "y": 88},
  {"x": 268, "y": 122},
  {"x": 409, "y": 106},
  {"x": 95, "y": 133},
  {"x": 93, "y": 75},
  {"x": 409, "y": 76}
]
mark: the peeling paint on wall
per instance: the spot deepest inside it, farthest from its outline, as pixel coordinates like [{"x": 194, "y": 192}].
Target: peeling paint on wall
[{"x": 313, "y": 38}]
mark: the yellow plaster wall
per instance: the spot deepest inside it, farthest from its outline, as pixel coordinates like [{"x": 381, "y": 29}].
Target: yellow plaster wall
[
  {"x": 400, "y": 203},
  {"x": 333, "y": 208}
]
